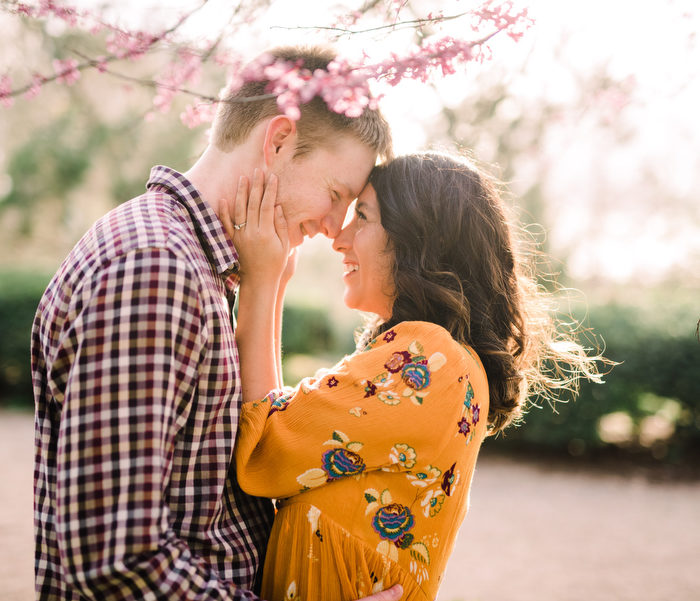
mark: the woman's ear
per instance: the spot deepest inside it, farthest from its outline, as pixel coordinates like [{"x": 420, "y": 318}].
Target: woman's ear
[{"x": 280, "y": 139}]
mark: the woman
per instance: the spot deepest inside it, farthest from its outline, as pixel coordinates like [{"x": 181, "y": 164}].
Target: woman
[{"x": 372, "y": 460}]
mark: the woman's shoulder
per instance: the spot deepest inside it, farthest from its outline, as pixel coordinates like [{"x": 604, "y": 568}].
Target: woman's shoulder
[{"x": 428, "y": 335}]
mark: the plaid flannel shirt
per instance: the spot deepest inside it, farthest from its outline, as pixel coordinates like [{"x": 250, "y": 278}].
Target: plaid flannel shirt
[{"x": 137, "y": 392}]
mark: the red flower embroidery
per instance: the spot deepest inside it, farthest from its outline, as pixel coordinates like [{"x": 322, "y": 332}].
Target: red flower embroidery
[{"x": 389, "y": 336}]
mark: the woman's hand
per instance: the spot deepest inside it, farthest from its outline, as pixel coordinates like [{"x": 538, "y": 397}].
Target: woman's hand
[{"x": 258, "y": 229}]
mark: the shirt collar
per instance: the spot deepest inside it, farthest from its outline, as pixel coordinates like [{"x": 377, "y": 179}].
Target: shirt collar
[{"x": 210, "y": 231}]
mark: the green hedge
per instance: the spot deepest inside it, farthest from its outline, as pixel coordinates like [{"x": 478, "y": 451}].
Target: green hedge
[
  {"x": 307, "y": 330},
  {"x": 658, "y": 376},
  {"x": 19, "y": 297}
]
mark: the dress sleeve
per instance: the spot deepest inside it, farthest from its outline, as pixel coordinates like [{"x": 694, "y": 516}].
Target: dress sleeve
[{"x": 381, "y": 408}]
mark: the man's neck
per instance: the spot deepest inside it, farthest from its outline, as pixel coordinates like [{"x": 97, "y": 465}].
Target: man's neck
[{"x": 216, "y": 173}]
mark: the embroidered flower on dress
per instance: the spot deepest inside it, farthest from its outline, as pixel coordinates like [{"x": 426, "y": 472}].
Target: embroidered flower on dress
[
  {"x": 339, "y": 463},
  {"x": 432, "y": 502},
  {"x": 389, "y": 336},
  {"x": 415, "y": 375},
  {"x": 278, "y": 404},
  {"x": 370, "y": 389},
  {"x": 476, "y": 411},
  {"x": 332, "y": 382},
  {"x": 392, "y": 522},
  {"x": 449, "y": 480},
  {"x": 425, "y": 477},
  {"x": 389, "y": 398},
  {"x": 404, "y": 455},
  {"x": 469, "y": 396},
  {"x": 464, "y": 426},
  {"x": 397, "y": 361}
]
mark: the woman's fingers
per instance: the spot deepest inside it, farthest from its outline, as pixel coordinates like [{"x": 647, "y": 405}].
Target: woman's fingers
[
  {"x": 281, "y": 226},
  {"x": 267, "y": 206},
  {"x": 255, "y": 199},
  {"x": 240, "y": 209}
]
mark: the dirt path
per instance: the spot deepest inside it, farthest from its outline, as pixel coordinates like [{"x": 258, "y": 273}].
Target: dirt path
[{"x": 532, "y": 534}]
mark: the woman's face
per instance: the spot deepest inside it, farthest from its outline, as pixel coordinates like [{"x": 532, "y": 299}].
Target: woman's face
[{"x": 369, "y": 285}]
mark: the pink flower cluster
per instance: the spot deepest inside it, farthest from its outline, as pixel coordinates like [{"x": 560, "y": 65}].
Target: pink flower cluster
[
  {"x": 130, "y": 44},
  {"x": 187, "y": 67},
  {"x": 5, "y": 91},
  {"x": 342, "y": 86},
  {"x": 66, "y": 71},
  {"x": 503, "y": 15},
  {"x": 48, "y": 8},
  {"x": 197, "y": 113}
]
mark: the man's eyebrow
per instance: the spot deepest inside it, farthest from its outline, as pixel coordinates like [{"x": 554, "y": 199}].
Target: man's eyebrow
[{"x": 347, "y": 189}]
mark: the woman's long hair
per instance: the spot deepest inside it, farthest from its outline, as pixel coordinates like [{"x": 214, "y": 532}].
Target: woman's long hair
[{"x": 457, "y": 265}]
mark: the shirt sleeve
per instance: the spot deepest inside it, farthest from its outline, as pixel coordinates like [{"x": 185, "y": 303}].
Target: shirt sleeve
[
  {"x": 136, "y": 337},
  {"x": 377, "y": 409}
]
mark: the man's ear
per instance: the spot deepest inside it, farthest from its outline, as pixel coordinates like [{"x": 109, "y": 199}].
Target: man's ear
[{"x": 280, "y": 139}]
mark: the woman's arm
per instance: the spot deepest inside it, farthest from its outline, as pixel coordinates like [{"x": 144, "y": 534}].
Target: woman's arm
[
  {"x": 262, "y": 246},
  {"x": 393, "y": 407},
  {"x": 279, "y": 306}
]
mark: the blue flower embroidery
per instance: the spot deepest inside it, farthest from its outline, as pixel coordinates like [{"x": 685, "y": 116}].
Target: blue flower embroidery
[
  {"x": 392, "y": 522},
  {"x": 278, "y": 404},
  {"x": 338, "y": 463},
  {"x": 416, "y": 375}
]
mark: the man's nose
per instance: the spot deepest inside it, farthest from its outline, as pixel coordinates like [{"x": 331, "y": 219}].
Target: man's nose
[
  {"x": 342, "y": 240},
  {"x": 332, "y": 223},
  {"x": 330, "y": 227}
]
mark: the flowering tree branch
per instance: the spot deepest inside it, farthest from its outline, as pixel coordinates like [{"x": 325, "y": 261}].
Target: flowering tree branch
[{"x": 345, "y": 85}]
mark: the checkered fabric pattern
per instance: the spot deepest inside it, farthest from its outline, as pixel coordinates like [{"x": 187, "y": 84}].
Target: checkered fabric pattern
[{"x": 137, "y": 392}]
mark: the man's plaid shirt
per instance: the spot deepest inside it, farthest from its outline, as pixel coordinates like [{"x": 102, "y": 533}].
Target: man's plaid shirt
[{"x": 136, "y": 384}]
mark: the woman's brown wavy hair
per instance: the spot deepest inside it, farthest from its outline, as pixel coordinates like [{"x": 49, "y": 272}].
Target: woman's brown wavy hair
[{"x": 457, "y": 265}]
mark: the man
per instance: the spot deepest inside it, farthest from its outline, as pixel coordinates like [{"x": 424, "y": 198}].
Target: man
[{"x": 135, "y": 366}]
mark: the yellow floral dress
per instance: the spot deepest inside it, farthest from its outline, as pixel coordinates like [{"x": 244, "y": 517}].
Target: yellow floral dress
[{"x": 371, "y": 464}]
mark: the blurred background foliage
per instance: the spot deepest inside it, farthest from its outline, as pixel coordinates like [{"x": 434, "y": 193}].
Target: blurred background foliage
[{"x": 573, "y": 165}]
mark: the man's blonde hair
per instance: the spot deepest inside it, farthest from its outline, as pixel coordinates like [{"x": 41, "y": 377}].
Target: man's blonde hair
[{"x": 236, "y": 117}]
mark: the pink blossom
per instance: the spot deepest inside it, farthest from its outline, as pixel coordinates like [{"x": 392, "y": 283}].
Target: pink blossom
[
  {"x": 24, "y": 9},
  {"x": 35, "y": 87},
  {"x": 5, "y": 90},
  {"x": 186, "y": 68},
  {"x": 131, "y": 44},
  {"x": 502, "y": 14},
  {"x": 197, "y": 113},
  {"x": 66, "y": 70},
  {"x": 101, "y": 63}
]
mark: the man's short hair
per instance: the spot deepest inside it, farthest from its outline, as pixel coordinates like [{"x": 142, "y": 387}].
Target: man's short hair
[{"x": 235, "y": 118}]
